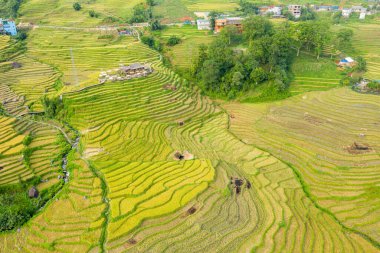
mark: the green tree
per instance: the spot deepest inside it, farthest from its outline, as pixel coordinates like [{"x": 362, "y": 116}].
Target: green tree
[
  {"x": 361, "y": 64},
  {"x": 343, "y": 39},
  {"x": 230, "y": 35},
  {"x": 173, "y": 40},
  {"x": 9, "y": 8},
  {"x": 213, "y": 16},
  {"x": 150, "y": 3},
  {"x": 155, "y": 25},
  {"x": 77, "y": 6},
  {"x": 248, "y": 8},
  {"x": 256, "y": 27}
]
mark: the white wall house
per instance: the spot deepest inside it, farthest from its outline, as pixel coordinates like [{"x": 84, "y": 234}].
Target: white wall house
[
  {"x": 203, "y": 24},
  {"x": 295, "y": 10},
  {"x": 8, "y": 26},
  {"x": 362, "y": 15},
  {"x": 346, "y": 13},
  {"x": 276, "y": 10}
]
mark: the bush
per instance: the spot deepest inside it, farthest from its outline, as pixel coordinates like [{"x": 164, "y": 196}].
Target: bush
[
  {"x": 373, "y": 85},
  {"x": 173, "y": 40},
  {"x": 21, "y": 35},
  {"x": 77, "y": 6},
  {"x": 52, "y": 106},
  {"x": 93, "y": 14}
]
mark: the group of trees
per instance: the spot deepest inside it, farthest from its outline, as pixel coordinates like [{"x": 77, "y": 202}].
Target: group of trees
[
  {"x": 143, "y": 12},
  {"x": 9, "y": 8},
  {"x": 224, "y": 71}
]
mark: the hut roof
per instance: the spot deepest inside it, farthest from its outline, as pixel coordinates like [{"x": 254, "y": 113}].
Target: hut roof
[{"x": 33, "y": 192}]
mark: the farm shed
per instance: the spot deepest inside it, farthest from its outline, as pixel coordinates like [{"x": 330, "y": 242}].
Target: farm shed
[{"x": 33, "y": 192}]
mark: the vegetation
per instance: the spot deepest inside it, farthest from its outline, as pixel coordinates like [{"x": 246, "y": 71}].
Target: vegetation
[
  {"x": 77, "y": 6},
  {"x": 268, "y": 59},
  {"x": 173, "y": 40},
  {"x": 305, "y": 161},
  {"x": 374, "y": 85},
  {"x": 53, "y": 107},
  {"x": 9, "y": 8}
]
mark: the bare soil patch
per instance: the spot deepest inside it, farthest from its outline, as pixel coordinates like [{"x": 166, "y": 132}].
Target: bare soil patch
[{"x": 358, "y": 148}]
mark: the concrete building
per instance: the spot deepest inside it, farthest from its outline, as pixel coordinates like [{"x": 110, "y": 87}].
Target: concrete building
[
  {"x": 274, "y": 10},
  {"x": 233, "y": 21},
  {"x": 326, "y": 8},
  {"x": 295, "y": 10},
  {"x": 346, "y": 12},
  {"x": 203, "y": 24},
  {"x": 358, "y": 9},
  {"x": 362, "y": 15},
  {"x": 202, "y": 14},
  {"x": 8, "y": 26}
]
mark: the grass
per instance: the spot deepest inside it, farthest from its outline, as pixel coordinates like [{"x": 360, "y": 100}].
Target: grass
[
  {"x": 183, "y": 54},
  {"x": 313, "y": 75}
]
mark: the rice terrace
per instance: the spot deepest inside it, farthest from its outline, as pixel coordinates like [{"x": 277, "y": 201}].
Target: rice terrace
[{"x": 189, "y": 126}]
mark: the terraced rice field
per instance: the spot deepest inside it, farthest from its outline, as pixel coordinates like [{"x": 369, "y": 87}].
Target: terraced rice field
[
  {"x": 315, "y": 133},
  {"x": 184, "y": 54},
  {"x": 61, "y": 12},
  {"x": 311, "y": 75},
  {"x": 12, "y": 161},
  {"x": 81, "y": 56},
  {"x": 366, "y": 41},
  {"x": 127, "y": 192},
  {"x": 216, "y": 5}
]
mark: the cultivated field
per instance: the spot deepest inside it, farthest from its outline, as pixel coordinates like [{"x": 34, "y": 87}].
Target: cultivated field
[
  {"x": 331, "y": 140},
  {"x": 366, "y": 41},
  {"x": 312, "y": 75},
  {"x": 183, "y": 54},
  {"x": 128, "y": 192}
]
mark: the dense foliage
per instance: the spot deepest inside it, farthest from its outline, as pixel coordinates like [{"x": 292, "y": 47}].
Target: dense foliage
[
  {"x": 248, "y": 8},
  {"x": 9, "y": 8},
  {"x": 151, "y": 42},
  {"x": 15, "y": 207},
  {"x": 224, "y": 71},
  {"x": 77, "y": 6},
  {"x": 173, "y": 40},
  {"x": 53, "y": 107},
  {"x": 374, "y": 85}
]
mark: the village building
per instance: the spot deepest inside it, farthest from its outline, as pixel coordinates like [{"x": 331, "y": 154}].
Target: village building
[
  {"x": 232, "y": 21},
  {"x": 203, "y": 24},
  {"x": 202, "y": 14},
  {"x": 347, "y": 62},
  {"x": 362, "y": 15},
  {"x": 135, "y": 70},
  {"x": 358, "y": 9},
  {"x": 326, "y": 8},
  {"x": 33, "y": 192},
  {"x": 274, "y": 10},
  {"x": 8, "y": 26},
  {"x": 187, "y": 20},
  {"x": 346, "y": 12},
  {"x": 295, "y": 10}
]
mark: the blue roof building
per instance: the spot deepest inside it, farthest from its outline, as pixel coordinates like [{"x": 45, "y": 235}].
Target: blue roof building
[{"x": 8, "y": 27}]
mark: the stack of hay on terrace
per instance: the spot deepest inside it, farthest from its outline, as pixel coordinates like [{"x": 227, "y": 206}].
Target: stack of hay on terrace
[{"x": 134, "y": 70}]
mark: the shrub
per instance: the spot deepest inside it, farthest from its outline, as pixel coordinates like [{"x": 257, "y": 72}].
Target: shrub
[
  {"x": 21, "y": 35},
  {"x": 77, "y": 6},
  {"x": 173, "y": 40},
  {"x": 373, "y": 85},
  {"x": 93, "y": 14}
]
